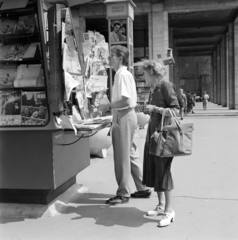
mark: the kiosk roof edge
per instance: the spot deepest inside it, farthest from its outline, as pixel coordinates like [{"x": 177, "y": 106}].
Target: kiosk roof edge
[{"x": 119, "y": 1}]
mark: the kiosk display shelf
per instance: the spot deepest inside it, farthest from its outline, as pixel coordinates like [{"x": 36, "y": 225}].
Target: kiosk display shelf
[{"x": 23, "y": 93}]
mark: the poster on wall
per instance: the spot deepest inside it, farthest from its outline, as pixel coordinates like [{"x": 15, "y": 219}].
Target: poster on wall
[{"x": 118, "y": 30}]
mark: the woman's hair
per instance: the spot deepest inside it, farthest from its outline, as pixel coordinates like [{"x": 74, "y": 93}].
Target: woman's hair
[
  {"x": 155, "y": 67},
  {"x": 121, "y": 51}
]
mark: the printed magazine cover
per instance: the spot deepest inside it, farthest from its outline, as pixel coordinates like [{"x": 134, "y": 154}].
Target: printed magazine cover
[
  {"x": 34, "y": 106},
  {"x": 31, "y": 50},
  {"x": 26, "y": 24},
  {"x": 97, "y": 68},
  {"x": 27, "y": 75},
  {"x": 71, "y": 60},
  {"x": 16, "y": 52},
  {"x": 69, "y": 83},
  {"x": 79, "y": 80},
  {"x": 10, "y": 107},
  {"x": 84, "y": 105},
  {"x": 7, "y": 75},
  {"x": 99, "y": 98},
  {"x": 96, "y": 83},
  {"x": 40, "y": 82},
  {"x": 7, "y": 26}
]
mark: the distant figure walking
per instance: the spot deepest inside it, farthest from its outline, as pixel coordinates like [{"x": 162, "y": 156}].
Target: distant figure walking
[
  {"x": 205, "y": 98},
  {"x": 190, "y": 102},
  {"x": 182, "y": 99}
]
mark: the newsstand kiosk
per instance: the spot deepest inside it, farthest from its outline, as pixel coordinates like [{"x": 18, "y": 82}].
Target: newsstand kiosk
[{"x": 38, "y": 159}]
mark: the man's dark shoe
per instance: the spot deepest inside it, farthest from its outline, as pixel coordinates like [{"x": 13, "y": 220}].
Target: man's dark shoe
[
  {"x": 117, "y": 200},
  {"x": 141, "y": 194}
]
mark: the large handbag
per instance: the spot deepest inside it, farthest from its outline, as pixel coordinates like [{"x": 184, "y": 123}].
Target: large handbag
[{"x": 173, "y": 140}]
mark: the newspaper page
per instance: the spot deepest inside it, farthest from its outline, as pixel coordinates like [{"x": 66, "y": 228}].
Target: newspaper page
[
  {"x": 34, "y": 108},
  {"x": 97, "y": 83},
  {"x": 16, "y": 52},
  {"x": 10, "y": 107},
  {"x": 7, "y": 75},
  {"x": 71, "y": 60},
  {"x": 70, "y": 83},
  {"x": 26, "y": 24},
  {"x": 7, "y": 26},
  {"x": 27, "y": 75}
]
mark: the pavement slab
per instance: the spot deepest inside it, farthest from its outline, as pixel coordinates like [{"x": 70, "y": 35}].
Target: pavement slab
[{"x": 205, "y": 197}]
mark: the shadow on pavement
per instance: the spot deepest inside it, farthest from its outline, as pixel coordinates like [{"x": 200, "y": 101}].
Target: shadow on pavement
[
  {"x": 4, "y": 220},
  {"x": 107, "y": 215}
]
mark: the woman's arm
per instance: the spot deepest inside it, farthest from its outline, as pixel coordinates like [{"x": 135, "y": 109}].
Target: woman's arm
[
  {"x": 152, "y": 108},
  {"x": 167, "y": 112}
]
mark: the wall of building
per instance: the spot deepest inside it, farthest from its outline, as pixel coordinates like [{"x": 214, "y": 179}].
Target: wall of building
[{"x": 194, "y": 73}]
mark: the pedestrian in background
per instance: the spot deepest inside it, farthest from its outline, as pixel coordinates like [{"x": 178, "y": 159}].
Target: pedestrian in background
[
  {"x": 157, "y": 170},
  {"x": 190, "y": 102},
  {"x": 205, "y": 98},
  {"x": 182, "y": 99},
  {"x": 126, "y": 155}
]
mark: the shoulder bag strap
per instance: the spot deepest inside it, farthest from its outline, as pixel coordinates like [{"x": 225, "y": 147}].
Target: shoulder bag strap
[
  {"x": 175, "y": 118},
  {"x": 162, "y": 119}
]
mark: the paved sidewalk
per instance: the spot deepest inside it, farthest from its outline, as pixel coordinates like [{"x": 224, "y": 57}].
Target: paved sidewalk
[
  {"x": 205, "y": 197},
  {"x": 212, "y": 110}
]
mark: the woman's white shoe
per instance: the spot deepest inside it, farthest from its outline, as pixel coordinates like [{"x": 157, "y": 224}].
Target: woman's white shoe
[
  {"x": 157, "y": 211},
  {"x": 167, "y": 219}
]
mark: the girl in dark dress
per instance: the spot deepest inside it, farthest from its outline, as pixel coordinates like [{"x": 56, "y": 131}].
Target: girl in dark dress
[{"x": 156, "y": 172}]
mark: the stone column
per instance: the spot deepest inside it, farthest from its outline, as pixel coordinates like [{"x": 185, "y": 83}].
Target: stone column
[
  {"x": 218, "y": 90},
  {"x": 231, "y": 66},
  {"x": 160, "y": 33},
  {"x": 215, "y": 77},
  {"x": 227, "y": 71},
  {"x": 223, "y": 72},
  {"x": 211, "y": 92},
  {"x": 236, "y": 61}
]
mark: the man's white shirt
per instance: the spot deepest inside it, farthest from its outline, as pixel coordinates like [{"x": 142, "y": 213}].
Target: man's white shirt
[{"x": 124, "y": 85}]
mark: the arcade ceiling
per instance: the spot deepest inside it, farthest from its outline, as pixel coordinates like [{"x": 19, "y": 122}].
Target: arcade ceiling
[{"x": 196, "y": 32}]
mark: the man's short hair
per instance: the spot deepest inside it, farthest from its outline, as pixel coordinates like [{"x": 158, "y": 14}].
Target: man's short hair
[
  {"x": 121, "y": 51},
  {"x": 116, "y": 24}
]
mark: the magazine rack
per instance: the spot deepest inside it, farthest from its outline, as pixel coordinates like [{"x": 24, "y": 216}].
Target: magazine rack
[{"x": 38, "y": 161}]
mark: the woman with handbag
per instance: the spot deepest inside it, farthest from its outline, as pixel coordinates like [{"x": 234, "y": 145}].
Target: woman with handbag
[{"x": 156, "y": 172}]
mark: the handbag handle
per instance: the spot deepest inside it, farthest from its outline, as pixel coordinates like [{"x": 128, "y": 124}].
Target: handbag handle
[
  {"x": 173, "y": 115},
  {"x": 162, "y": 119},
  {"x": 175, "y": 118}
]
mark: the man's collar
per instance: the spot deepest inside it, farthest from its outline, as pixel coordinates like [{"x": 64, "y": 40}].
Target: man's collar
[{"x": 121, "y": 69}]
